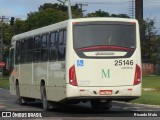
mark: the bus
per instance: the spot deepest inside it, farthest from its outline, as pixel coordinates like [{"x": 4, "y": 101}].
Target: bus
[{"x": 94, "y": 60}]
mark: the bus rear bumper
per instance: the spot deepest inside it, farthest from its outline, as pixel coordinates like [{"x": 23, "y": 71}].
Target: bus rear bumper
[
  {"x": 120, "y": 93},
  {"x": 115, "y": 98}
]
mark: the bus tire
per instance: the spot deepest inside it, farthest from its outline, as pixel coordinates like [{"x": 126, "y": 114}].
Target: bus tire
[
  {"x": 44, "y": 98},
  {"x": 97, "y": 105},
  {"x": 21, "y": 100}
]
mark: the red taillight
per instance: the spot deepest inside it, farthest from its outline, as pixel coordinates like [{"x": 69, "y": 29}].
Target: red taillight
[
  {"x": 72, "y": 76},
  {"x": 133, "y": 22},
  {"x": 137, "y": 77},
  {"x": 75, "y": 23}
]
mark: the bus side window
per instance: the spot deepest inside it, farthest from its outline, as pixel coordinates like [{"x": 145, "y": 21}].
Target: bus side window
[
  {"x": 65, "y": 37},
  {"x": 37, "y": 49},
  {"x": 53, "y": 46},
  {"x": 44, "y": 50},
  {"x": 10, "y": 60},
  {"x": 22, "y": 52},
  {"x": 62, "y": 45},
  {"x": 17, "y": 52},
  {"x": 60, "y": 38},
  {"x": 30, "y": 50}
]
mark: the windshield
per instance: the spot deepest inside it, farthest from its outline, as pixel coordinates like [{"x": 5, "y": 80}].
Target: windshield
[{"x": 104, "y": 34}]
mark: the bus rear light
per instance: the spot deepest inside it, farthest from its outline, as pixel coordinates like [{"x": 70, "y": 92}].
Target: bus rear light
[
  {"x": 72, "y": 76},
  {"x": 75, "y": 23},
  {"x": 137, "y": 77},
  {"x": 133, "y": 22}
]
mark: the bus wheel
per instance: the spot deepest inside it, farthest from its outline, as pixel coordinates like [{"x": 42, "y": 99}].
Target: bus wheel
[
  {"x": 21, "y": 100},
  {"x": 44, "y": 98},
  {"x": 98, "y": 105}
]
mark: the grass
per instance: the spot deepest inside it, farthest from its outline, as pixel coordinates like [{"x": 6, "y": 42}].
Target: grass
[
  {"x": 151, "y": 82},
  {"x": 151, "y": 97},
  {"x": 4, "y": 82}
]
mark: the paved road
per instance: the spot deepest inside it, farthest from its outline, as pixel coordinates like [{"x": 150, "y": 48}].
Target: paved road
[{"x": 9, "y": 103}]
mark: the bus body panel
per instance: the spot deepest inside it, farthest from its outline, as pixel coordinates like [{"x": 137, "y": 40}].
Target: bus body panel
[
  {"x": 104, "y": 72},
  {"x": 100, "y": 78},
  {"x": 56, "y": 81},
  {"x": 96, "y": 74},
  {"x": 34, "y": 72},
  {"x": 25, "y": 79},
  {"x": 91, "y": 92}
]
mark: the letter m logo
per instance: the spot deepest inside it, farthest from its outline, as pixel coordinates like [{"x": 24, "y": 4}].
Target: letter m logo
[{"x": 105, "y": 74}]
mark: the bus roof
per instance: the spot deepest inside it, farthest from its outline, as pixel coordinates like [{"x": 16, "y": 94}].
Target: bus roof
[
  {"x": 63, "y": 24},
  {"x": 41, "y": 30}
]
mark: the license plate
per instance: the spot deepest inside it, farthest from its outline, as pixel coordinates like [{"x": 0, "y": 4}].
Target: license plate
[{"x": 105, "y": 92}]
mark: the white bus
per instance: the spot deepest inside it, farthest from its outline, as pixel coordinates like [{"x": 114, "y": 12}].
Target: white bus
[{"x": 78, "y": 60}]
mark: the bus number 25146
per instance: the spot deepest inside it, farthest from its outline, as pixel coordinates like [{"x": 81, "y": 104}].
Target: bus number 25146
[{"x": 124, "y": 62}]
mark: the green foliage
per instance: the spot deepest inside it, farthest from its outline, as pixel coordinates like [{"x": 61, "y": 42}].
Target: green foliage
[
  {"x": 98, "y": 13},
  {"x": 151, "y": 82},
  {"x": 6, "y": 72},
  {"x": 150, "y": 26},
  {"x": 120, "y": 15},
  {"x": 7, "y": 33},
  {"x": 154, "y": 58},
  {"x": 101, "y": 13},
  {"x": 47, "y": 14},
  {"x": 4, "y": 83},
  {"x": 150, "y": 96},
  {"x": 53, "y": 6},
  {"x": 149, "y": 40},
  {"x": 19, "y": 26},
  {"x": 43, "y": 18}
]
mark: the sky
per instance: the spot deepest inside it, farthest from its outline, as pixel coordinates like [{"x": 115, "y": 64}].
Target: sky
[{"x": 20, "y": 8}]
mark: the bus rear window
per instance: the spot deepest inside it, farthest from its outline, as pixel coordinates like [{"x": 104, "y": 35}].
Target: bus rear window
[{"x": 104, "y": 33}]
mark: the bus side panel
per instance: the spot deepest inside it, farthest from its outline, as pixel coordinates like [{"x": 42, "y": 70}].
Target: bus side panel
[
  {"x": 15, "y": 75},
  {"x": 39, "y": 73},
  {"x": 12, "y": 81},
  {"x": 56, "y": 81},
  {"x": 25, "y": 79}
]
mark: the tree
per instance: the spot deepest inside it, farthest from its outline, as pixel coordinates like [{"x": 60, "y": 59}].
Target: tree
[
  {"x": 101, "y": 13},
  {"x": 53, "y": 6},
  {"x": 19, "y": 26},
  {"x": 149, "y": 41},
  {"x": 98, "y": 13},
  {"x": 49, "y": 14},
  {"x": 44, "y": 18},
  {"x": 7, "y": 33},
  {"x": 120, "y": 15}
]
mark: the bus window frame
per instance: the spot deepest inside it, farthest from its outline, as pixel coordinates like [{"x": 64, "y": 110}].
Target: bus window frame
[
  {"x": 45, "y": 48},
  {"x": 37, "y": 49},
  {"x": 62, "y": 45},
  {"x": 55, "y": 46}
]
